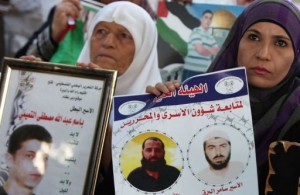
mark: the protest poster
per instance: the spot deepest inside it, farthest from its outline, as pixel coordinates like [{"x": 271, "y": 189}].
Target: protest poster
[
  {"x": 73, "y": 105},
  {"x": 180, "y": 27},
  {"x": 204, "y": 107},
  {"x": 176, "y": 21}
]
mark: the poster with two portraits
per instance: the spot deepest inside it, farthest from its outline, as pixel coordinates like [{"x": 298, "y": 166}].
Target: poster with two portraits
[{"x": 203, "y": 130}]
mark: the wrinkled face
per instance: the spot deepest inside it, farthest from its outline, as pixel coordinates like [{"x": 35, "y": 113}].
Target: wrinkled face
[
  {"x": 29, "y": 163},
  {"x": 266, "y": 51},
  {"x": 112, "y": 47},
  {"x": 153, "y": 151},
  {"x": 206, "y": 20},
  {"x": 217, "y": 152}
]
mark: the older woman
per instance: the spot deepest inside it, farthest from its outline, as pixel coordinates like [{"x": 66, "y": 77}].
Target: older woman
[
  {"x": 267, "y": 44},
  {"x": 45, "y": 42},
  {"x": 123, "y": 37}
]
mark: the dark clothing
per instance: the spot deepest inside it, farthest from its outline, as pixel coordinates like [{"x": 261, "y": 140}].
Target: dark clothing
[
  {"x": 286, "y": 166},
  {"x": 106, "y": 186},
  {"x": 2, "y": 191},
  {"x": 288, "y": 132},
  {"x": 141, "y": 180},
  {"x": 41, "y": 44}
]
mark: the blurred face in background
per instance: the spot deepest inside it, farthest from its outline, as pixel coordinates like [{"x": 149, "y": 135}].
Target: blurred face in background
[{"x": 206, "y": 20}]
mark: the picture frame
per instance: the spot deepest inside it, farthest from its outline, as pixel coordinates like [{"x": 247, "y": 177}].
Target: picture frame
[{"x": 73, "y": 104}]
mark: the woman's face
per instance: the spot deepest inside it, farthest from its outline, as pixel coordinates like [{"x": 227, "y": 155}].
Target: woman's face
[
  {"x": 266, "y": 51},
  {"x": 112, "y": 47}
]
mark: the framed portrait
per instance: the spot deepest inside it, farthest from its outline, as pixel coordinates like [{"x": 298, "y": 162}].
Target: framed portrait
[{"x": 73, "y": 104}]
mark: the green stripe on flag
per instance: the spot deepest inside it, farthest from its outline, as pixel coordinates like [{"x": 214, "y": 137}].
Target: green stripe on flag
[{"x": 70, "y": 47}]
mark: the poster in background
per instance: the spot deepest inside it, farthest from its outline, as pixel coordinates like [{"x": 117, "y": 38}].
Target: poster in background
[
  {"x": 214, "y": 102},
  {"x": 73, "y": 104},
  {"x": 176, "y": 21}
]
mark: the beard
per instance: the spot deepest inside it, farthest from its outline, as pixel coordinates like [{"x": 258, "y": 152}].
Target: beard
[
  {"x": 153, "y": 166},
  {"x": 220, "y": 165}
]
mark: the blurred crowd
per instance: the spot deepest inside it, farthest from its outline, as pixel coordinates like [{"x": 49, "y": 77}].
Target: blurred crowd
[{"x": 21, "y": 18}]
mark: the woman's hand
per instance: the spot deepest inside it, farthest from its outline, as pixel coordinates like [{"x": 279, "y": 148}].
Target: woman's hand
[
  {"x": 161, "y": 88},
  {"x": 88, "y": 65},
  {"x": 31, "y": 58},
  {"x": 64, "y": 10}
]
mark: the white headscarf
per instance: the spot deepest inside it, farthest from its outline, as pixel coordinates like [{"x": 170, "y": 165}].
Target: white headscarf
[{"x": 144, "y": 69}]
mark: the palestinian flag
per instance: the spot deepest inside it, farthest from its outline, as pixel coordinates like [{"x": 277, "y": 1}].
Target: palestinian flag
[
  {"x": 174, "y": 24},
  {"x": 171, "y": 26}
]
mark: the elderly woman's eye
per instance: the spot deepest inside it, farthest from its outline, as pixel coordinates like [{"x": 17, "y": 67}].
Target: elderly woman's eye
[
  {"x": 100, "y": 32},
  {"x": 125, "y": 36}
]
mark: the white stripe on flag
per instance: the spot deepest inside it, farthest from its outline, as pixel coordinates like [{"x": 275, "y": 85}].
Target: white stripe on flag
[{"x": 174, "y": 23}]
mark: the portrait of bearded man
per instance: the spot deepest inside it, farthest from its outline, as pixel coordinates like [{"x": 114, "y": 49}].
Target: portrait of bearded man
[
  {"x": 217, "y": 151},
  {"x": 154, "y": 174}
]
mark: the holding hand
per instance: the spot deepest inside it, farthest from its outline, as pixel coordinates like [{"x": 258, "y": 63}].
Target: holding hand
[
  {"x": 31, "y": 58},
  {"x": 161, "y": 88},
  {"x": 88, "y": 65},
  {"x": 64, "y": 10}
]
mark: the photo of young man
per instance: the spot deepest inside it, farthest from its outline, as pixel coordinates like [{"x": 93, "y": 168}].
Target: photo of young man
[{"x": 27, "y": 157}]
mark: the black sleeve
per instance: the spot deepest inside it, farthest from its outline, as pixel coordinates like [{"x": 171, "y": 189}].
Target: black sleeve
[
  {"x": 47, "y": 25},
  {"x": 285, "y": 161},
  {"x": 106, "y": 186}
]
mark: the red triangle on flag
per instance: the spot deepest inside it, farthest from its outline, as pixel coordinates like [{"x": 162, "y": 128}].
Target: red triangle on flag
[{"x": 162, "y": 10}]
